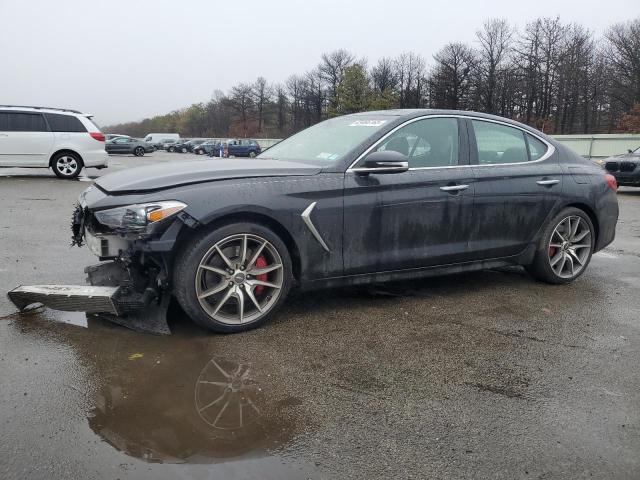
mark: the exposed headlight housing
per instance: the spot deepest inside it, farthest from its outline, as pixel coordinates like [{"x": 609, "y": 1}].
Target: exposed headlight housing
[{"x": 138, "y": 217}]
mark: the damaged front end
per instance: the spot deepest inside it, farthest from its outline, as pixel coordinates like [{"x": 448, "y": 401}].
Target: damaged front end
[{"x": 131, "y": 285}]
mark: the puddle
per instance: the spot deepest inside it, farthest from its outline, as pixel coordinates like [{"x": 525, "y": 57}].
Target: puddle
[
  {"x": 78, "y": 319},
  {"x": 183, "y": 399}
]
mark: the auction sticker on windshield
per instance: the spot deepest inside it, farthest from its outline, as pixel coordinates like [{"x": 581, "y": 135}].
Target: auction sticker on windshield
[{"x": 368, "y": 123}]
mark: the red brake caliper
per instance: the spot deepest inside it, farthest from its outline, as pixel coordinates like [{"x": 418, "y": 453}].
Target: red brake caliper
[
  {"x": 552, "y": 251},
  {"x": 261, "y": 263}
]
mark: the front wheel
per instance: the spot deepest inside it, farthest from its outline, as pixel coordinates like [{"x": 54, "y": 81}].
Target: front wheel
[
  {"x": 234, "y": 278},
  {"x": 139, "y": 152},
  {"x": 565, "y": 247},
  {"x": 252, "y": 154},
  {"x": 171, "y": 149},
  {"x": 183, "y": 150},
  {"x": 66, "y": 165}
]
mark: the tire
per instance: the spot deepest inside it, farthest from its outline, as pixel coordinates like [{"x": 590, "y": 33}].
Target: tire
[
  {"x": 66, "y": 165},
  {"x": 183, "y": 150},
  {"x": 252, "y": 154},
  {"x": 565, "y": 247},
  {"x": 138, "y": 152},
  {"x": 219, "y": 309},
  {"x": 171, "y": 149}
]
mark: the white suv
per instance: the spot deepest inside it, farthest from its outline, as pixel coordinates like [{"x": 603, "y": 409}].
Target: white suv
[{"x": 64, "y": 140}]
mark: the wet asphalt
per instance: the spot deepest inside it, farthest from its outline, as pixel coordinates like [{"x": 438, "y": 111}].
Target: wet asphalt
[{"x": 482, "y": 375}]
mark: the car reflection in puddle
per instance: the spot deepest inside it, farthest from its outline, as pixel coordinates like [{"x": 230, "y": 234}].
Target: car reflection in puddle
[{"x": 178, "y": 399}]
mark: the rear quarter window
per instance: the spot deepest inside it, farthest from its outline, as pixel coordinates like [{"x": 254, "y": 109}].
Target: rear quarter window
[{"x": 64, "y": 123}]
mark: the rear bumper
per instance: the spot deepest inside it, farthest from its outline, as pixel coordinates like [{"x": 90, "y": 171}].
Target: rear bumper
[{"x": 98, "y": 158}]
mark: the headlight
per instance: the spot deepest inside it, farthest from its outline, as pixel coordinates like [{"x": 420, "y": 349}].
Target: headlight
[{"x": 138, "y": 217}]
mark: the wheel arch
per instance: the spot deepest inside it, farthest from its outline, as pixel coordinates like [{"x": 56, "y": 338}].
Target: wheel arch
[
  {"x": 592, "y": 216},
  {"x": 64, "y": 150},
  {"x": 254, "y": 217}
]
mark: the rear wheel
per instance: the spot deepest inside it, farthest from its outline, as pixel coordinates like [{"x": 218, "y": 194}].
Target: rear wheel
[
  {"x": 138, "y": 152},
  {"x": 252, "y": 154},
  {"x": 171, "y": 149},
  {"x": 183, "y": 150},
  {"x": 565, "y": 247},
  {"x": 66, "y": 165},
  {"x": 233, "y": 278}
]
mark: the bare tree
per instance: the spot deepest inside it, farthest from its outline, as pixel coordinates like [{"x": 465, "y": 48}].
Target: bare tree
[
  {"x": 495, "y": 45},
  {"x": 624, "y": 50},
  {"x": 384, "y": 76},
  {"x": 332, "y": 69},
  {"x": 411, "y": 79},
  {"x": 242, "y": 103},
  {"x": 451, "y": 80},
  {"x": 262, "y": 94}
]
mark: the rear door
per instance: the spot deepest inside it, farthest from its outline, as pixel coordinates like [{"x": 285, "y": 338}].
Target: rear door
[
  {"x": 25, "y": 139},
  {"x": 419, "y": 218},
  {"x": 518, "y": 181}
]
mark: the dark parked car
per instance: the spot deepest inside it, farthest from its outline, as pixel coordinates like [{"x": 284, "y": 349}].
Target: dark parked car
[
  {"x": 626, "y": 168},
  {"x": 192, "y": 144},
  {"x": 370, "y": 197},
  {"x": 179, "y": 146},
  {"x": 206, "y": 148},
  {"x": 128, "y": 145}
]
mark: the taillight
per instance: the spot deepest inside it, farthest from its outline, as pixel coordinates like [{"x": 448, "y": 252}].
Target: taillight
[
  {"x": 611, "y": 181},
  {"x": 97, "y": 135}
]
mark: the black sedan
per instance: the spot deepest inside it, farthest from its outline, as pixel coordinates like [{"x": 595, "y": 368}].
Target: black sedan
[
  {"x": 179, "y": 146},
  {"x": 128, "y": 145},
  {"x": 626, "y": 168},
  {"x": 363, "y": 198}
]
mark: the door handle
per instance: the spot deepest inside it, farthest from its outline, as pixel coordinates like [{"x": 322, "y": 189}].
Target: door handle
[
  {"x": 547, "y": 183},
  {"x": 454, "y": 188}
]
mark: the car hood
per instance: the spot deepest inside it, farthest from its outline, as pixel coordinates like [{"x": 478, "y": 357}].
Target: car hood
[
  {"x": 625, "y": 156},
  {"x": 169, "y": 175}
]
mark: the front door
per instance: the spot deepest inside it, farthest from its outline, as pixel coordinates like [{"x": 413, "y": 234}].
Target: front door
[
  {"x": 419, "y": 218},
  {"x": 518, "y": 182}
]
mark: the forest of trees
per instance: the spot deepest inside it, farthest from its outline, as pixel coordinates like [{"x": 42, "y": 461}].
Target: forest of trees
[{"x": 551, "y": 75}]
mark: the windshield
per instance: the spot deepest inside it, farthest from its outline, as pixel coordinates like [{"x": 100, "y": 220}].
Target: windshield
[{"x": 327, "y": 141}]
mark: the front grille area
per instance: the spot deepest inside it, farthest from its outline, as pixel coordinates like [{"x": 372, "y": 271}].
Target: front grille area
[{"x": 620, "y": 166}]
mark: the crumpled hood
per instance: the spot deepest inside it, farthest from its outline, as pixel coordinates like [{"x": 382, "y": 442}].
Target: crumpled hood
[{"x": 174, "y": 174}]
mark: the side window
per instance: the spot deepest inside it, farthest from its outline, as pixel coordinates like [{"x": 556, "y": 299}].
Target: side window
[
  {"x": 25, "y": 122},
  {"x": 4, "y": 122},
  {"x": 499, "y": 143},
  {"x": 431, "y": 142},
  {"x": 536, "y": 148},
  {"x": 64, "y": 123}
]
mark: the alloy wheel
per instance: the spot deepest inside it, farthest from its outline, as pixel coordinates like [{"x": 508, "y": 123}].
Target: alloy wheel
[
  {"x": 239, "y": 279},
  {"x": 570, "y": 246},
  {"x": 67, "y": 165}
]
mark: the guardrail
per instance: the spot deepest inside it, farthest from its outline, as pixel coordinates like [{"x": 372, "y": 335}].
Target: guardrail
[{"x": 600, "y": 145}]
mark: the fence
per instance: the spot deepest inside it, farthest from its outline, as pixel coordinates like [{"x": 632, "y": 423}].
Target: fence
[
  {"x": 589, "y": 146},
  {"x": 601, "y": 145}
]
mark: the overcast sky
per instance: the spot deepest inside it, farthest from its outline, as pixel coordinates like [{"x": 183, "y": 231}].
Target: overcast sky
[{"x": 127, "y": 60}]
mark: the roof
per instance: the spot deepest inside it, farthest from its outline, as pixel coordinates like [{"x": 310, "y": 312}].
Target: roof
[{"x": 41, "y": 109}]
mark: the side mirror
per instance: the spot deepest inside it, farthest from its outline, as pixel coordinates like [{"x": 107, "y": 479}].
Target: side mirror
[{"x": 388, "y": 161}]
